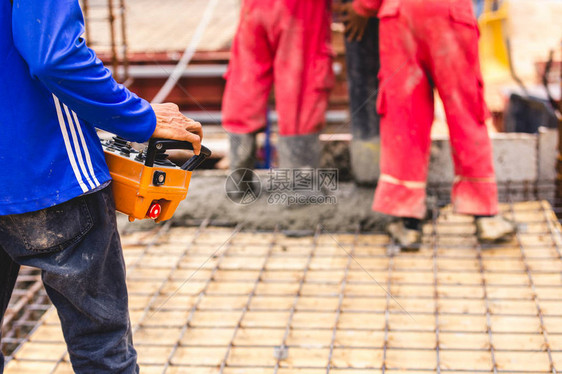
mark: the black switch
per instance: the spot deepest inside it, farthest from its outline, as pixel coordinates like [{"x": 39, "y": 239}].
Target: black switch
[{"x": 159, "y": 178}]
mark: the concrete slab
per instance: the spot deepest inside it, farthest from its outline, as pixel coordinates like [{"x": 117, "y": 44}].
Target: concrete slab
[
  {"x": 548, "y": 153},
  {"x": 515, "y": 157},
  {"x": 348, "y": 206},
  {"x": 206, "y": 298},
  {"x": 440, "y": 163},
  {"x": 343, "y": 209}
]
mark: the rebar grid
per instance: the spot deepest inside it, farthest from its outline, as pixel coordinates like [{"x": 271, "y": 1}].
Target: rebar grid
[
  {"x": 250, "y": 297},
  {"x": 487, "y": 306},
  {"x": 201, "y": 295},
  {"x": 28, "y": 303},
  {"x": 534, "y": 293},
  {"x": 283, "y": 346},
  {"x": 340, "y": 301},
  {"x": 435, "y": 214},
  {"x": 62, "y": 359},
  {"x": 387, "y": 314},
  {"x": 230, "y": 301}
]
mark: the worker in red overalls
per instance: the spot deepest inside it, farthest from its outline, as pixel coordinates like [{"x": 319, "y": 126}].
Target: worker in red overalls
[
  {"x": 284, "y": 43},
  {"x": 427, "y": 44}
]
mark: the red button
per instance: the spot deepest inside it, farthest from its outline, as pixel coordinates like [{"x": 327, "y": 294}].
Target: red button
[{"x": 154, "y": 211}]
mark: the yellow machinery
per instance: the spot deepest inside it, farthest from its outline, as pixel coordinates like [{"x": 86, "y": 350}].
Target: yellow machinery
[
  {"x": 494, "y": 45},
  {"x": 146, "y": 184}
]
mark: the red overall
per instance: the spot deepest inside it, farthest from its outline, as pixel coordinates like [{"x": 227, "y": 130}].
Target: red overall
[
  {"x": 285, "y": 43},
  {"x": 426, "y": 44}
]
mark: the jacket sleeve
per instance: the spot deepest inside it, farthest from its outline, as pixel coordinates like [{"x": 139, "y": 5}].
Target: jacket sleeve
[
  {"x": 47, "y": 34},
  {"x": 367, "y": 8}
]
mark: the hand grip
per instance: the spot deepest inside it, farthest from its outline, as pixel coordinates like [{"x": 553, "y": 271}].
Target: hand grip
[{"x": 156, "y": 146}]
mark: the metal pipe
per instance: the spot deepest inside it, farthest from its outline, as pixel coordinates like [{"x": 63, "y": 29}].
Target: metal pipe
[
  {"x": 125, "y": 57},
  {"x": 188, "y": 54},
  {"x": 114, "y": 61},
  {"x": 559, "y": 161},
  {"x": 86, "y": 10}
]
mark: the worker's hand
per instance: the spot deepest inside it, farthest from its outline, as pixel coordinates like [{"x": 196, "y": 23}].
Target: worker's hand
[
  {"x": 338, "y": 7},
  {"x": 171, "y": 124},
  {"x": 355, "y": 24}
]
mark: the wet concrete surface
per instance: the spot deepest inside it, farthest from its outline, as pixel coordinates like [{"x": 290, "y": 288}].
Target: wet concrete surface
[{"x": 341, "y": 210}]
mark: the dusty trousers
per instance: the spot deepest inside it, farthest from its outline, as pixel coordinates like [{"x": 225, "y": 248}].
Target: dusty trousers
[
  {"x": 285, "y": 43},
  {"x": 77, "y": 248},
  {"x": 425, "y": 45}
]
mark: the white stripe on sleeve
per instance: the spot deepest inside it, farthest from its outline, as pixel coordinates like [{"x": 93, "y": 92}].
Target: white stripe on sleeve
[
  {"x": 77, "y": 146},
  {"x": 68, "y": 146},
  {"x": 86, "y": 151}
]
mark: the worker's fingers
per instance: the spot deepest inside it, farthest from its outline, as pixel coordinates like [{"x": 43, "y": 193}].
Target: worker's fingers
[
  {"x": 350, "y": 27},
  {"x": 170, "y": 113},
  {"x": 195, "y": 127},
  {"x": 195, "y": 140},
  {"x": 171, "y": 124},
  {"x": 359, "y": 32},
  {"x": 166, "y": 130},
  {"x": 188, "y": 124},
  {"x": 339, "y": 7},
  {"x": 347, "y": 28},
  {"x": 352, "y": 33}
]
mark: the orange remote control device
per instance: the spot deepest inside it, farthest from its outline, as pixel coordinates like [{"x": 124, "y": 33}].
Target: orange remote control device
[{"x": 145, "y": 183}]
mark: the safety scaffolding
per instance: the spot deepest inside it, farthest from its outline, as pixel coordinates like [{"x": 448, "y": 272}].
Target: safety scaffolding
[{"x": 108, "y": 15}]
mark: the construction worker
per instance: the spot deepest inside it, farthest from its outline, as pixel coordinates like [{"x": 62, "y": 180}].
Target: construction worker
[
  {"x": 57, "y": 212},
  {"x": 285, "y": 43},
  {"x": 362, "y": 63},
  {"x": 427, "y": 44}
]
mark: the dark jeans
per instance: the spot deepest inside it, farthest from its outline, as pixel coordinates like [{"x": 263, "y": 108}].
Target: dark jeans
[
  {"x": 77, "y": 247},
  {"x": 362, "y": 60}
]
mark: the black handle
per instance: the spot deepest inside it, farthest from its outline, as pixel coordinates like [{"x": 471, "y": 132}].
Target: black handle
[{"x": 156, "y": 146}]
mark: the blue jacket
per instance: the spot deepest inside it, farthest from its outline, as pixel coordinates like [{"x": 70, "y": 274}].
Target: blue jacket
[{"x": 54, "y": 93}]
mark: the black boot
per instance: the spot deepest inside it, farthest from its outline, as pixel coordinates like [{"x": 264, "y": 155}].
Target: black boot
[
  {"x": 494, "y": 229},
  {"x": 242, "y": 151},
  {"x": 407, "y": 233},
  {"x": 299, "y": 151},
  {"x": 365, "y": 158}
]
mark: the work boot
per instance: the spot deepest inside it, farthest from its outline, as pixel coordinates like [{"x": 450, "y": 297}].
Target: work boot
[
  {"x": 495, "y": 229},
  {"x": 299, "y": 151},
  {"x": 408, "y": 238},
  {"x": 365, "y": 158},
  {"x": 242, "y": 151}
]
